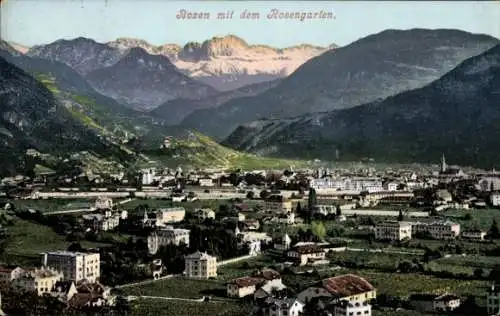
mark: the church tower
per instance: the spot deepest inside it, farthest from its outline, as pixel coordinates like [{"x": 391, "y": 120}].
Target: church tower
[
  {"x": 443, "y": 164},
  {"x": 1, "y": 311}
]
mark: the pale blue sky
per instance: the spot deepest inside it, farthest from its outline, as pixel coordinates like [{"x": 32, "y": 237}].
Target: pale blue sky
[{"x": 32, "y": 22}]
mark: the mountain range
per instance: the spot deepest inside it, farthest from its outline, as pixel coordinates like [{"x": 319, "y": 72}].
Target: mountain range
[
  {"x": 146, "y": 81},
  {"x": 369, "y": 69},
  {"x": 456, "y": 115},
  {"x": 228, "y": 62},
  {"x": 49, "y": 113},
  {"x": 144, "y": 76}
]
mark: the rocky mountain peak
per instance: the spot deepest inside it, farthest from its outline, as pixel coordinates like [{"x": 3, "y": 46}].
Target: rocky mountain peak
[{"x": 82, "y": 54}]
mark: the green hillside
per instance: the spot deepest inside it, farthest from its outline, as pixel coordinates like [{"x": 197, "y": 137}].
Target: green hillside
[{"x": 197, "y": 150}]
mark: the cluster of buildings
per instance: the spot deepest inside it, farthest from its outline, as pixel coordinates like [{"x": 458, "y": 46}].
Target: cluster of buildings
[
  {"x": 104, "y": 216},
  {"x": 400, "y": 230},
  {"x": 443, "y": 230},
  {"x": 343, "y": 295},
  {"x": 71, "y": 277}
]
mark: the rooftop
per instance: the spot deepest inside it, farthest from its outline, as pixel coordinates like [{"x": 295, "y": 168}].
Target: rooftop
[
  {"x": 246, "y": 281},
  {"x": 199, "y": 256},
  {"x": 305, "y": 249},
  {"x": 65, "y": 253},
  {"x": 346, "y": 285}
]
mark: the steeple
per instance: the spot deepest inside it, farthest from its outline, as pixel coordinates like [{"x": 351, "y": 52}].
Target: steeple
[
  {"x": 1, "y": 311},
  {"x": 443, "y": 164}
]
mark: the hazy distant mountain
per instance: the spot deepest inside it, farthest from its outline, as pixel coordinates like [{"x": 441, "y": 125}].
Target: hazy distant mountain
[
  {"x": 103, "y": 114},
  {"x": 131, "y": 76},
  {"x": 82, "y": 54},
  {"x": 168, "y": 50},
  {"x": 174, "y": 111},
  {"x": 457, "y": 114},
  {"x": 146, "y": 81},
  {"x": 369, "y": 69},
  {"x": 20, "y": 48},
  {"x": 228, "y": 62},
  {"x": 7, "y": 47}
]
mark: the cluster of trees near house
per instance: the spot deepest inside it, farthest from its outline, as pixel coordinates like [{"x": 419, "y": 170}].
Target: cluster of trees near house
[{"x": 31, "y": 304}]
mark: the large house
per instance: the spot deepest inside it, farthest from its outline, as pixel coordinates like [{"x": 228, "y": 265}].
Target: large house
[
  {"x": 350, "y": 308},
  {"x": 393, "y": 230},
  {"x": 40, "y": 281},
  {"x": 282, "y": 307},
  {"x": 101, "y": 222},
  {"x": 354, "y": 185},
  {"x": 248, "y": 285},
  {"x": 200, "y": 265},
  {"x": 347, "y": 287},
  {"x": 305, "y": 254},
  {"x": 473, "y": 234},
  {"x": 75, "y": 266},
  {"x": 429, "y": 303},
  {"x": 164, "y": 216},
  {"x": 103, "y": 203},
  {"x": 439, "y": 230},
  {"x": 167, "y": 235}
]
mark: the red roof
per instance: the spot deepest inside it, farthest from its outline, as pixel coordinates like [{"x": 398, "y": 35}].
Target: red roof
[
  {"x": 246, "y": 281},
  {"x": 346, "y": 285}
]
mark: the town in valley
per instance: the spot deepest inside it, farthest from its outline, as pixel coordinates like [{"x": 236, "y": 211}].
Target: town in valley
[{"x": 355, "y": 238}]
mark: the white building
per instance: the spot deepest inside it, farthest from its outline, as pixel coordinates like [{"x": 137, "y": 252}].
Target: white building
[
  {"x": 165, "y": 236},
  {"x": 350, "y": 308},
  {"x": 348, "y": 184},
  {"x": 204, "y": 213},
  {"x": 391, "y": 186},
  {"x": 148, "y": 176},
  {"x": 446, "y": 302},
  {"x": 75, "y": 266},
  {"x": 248, "y": 285},
  {"x": 495, "y": 199},
  {"x": 40, "y": 281},
  {"x": 200, "y": 265},
  {"x": 101, "y": 222},
  {"x": 282, "y": 307},
  {"x": 439, "y": 230},
  {"x": 164, "y": 216},
  {"x": 475, "y": 234},
  {"x": 102, "y": 203},
  {"x": 206, "y": 182},
  {"x": 305, "y": 254},
  {"x": 393, "y": 230}
]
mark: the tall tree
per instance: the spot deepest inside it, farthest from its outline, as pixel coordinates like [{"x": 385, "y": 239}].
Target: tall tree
[
  {"x": 494, "y": 232},
  {"x": 298, "y": 210},
  {"x": 312, "y": 199},
  {"x": 400, "y": 216}
]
